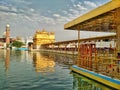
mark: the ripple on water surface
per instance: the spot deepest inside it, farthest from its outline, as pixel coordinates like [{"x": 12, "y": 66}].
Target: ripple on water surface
[{"x": 31, "y": 71}]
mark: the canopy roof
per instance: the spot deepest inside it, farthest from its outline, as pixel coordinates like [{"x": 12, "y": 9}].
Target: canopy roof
[
  {"x": 84, "y": 39},
  {"x": 94, "y": 17}
]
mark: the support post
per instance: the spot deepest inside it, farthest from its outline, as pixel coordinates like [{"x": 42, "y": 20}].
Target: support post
[{"x": 78, "y": 48}]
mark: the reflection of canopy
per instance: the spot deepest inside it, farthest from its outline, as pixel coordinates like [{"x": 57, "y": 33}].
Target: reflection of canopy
[{"x": 84, "y": 83}]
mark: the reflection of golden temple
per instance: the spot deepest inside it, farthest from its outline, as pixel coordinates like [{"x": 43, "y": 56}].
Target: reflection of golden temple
[
  {"x": 42, "y": 37},
  {"x": 42, "y": 63}
]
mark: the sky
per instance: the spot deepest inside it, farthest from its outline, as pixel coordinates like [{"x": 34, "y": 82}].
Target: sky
[{"x": 27, "y": 16}]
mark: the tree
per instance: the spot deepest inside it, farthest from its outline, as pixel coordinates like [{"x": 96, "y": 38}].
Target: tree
[{"x": 17, "y": 44}]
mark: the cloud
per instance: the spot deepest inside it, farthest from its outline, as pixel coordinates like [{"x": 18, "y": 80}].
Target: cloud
[
  {"x": 47, "y": 20},
  {"x": 78, "y": 8},
  {"x": 90, "y": 4},
  {"x": 32, "y": 15},
  {"x": 13, "y": 9},
  {"x": 79, "y": 5},
  {"x": 32, "y": 10},
  {"x": 56, "y": 15},
  {"x": 64, "y": 12},
  {"x": 24, "y": 15},
  {"x": 73, "y": 1},
  {"x": 6, "y": 11},
  {"x": 4, "y": 8},
  {"x": 22, "y": 2}
]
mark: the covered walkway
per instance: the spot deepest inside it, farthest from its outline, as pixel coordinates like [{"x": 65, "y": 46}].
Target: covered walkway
[{"x": 105, "y": 18}]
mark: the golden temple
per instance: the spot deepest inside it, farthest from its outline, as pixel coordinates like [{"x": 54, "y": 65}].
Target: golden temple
[{"x": 42, "y": 37}]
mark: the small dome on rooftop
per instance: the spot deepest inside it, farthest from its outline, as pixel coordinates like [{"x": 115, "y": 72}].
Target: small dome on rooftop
[{"x": 7, "y": 25}]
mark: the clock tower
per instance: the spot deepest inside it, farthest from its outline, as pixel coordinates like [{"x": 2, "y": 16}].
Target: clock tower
[{"x": 7, "y": 34}]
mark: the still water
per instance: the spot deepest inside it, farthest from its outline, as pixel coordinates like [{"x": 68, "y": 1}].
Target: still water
[{"x": 23, "y": 70}]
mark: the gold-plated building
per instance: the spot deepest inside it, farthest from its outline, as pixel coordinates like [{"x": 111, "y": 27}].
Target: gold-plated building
[{"x": 42, "y": 37}]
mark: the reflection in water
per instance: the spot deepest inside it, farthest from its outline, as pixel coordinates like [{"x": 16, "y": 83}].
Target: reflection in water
[
  {"x": 65, "y": 59},
  {"x": 83, "y": 83},
  {"x": 43, "y": 63},
  {"x": 22, "y": 76},
  {"x": 7, "y": 60}
]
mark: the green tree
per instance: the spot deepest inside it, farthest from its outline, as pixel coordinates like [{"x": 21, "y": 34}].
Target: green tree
[{"x": 17, "y": 44}]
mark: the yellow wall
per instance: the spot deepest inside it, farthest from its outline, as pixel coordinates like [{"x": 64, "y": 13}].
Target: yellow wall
[{"x": 43, "y": 37}]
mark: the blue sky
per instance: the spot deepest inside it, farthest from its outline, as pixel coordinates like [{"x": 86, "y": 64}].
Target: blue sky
[{"x": 27, "y": 16}]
